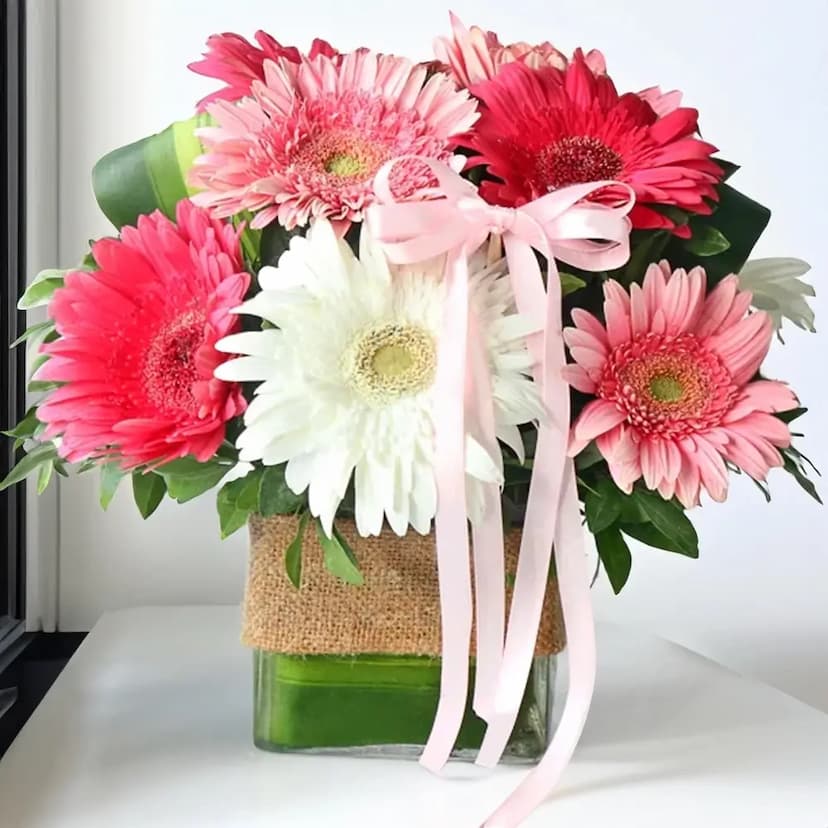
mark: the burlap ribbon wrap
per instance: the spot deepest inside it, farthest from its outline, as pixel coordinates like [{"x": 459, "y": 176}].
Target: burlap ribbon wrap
[{"x": 396, "y": 610}]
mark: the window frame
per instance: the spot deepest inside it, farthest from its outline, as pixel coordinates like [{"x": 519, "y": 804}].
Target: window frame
[{"x": 12, "y": 321}]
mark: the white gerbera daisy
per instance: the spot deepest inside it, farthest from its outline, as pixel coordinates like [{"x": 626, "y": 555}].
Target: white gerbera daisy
[
  {"x": 778, "y": 290},
  {"x": 347, "y": 376}
]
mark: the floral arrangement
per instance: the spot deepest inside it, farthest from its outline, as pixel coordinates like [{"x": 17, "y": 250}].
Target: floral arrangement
[{"x": 355, "y": 286}]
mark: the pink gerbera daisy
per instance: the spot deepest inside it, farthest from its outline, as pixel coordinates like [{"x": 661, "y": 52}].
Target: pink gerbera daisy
[
  {"x": 547, "y": 128},
  {"x": 474, "y": 55},
  {"x": 234, "y": 60},
  {"x": 136, "y": 348},
  {"x": 674, "y": 373},
  {"x": 312, "y": 136}
]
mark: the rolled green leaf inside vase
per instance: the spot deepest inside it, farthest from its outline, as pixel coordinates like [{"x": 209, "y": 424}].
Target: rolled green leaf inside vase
[
  {"x": 378, "y": 705},
  {"x": 340, "y": 668}
]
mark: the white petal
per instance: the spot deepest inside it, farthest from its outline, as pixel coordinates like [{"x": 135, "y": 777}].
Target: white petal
[
  {"x": 480, "y": 464},
  {"x": 368, "y": 499},
  {"x": 773, "y": 270},
  {"x": 331, "y": 473},
  {"x": 298, "y": 472},
  {"x": 245, "y": 369},
  {"x": 511, "y": 436},
  {"x": 281, "y": 278},
  {"x": 253, "y": 343}
]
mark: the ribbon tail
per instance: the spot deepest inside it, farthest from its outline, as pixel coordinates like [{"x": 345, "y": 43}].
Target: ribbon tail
[
  {"x": 573, "y": 582},
  {"x": 450, "y": 523},
  {"x": 531, "y": 583},
  {"x": 540, "y": 523},
  {"x": 487, "y": 542}
]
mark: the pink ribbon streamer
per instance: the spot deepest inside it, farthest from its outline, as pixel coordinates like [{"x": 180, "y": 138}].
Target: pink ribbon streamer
[{"x": 559, "y": 225}]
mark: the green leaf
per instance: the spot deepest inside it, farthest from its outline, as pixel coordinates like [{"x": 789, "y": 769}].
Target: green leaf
[
  {"x": 631, "y": 511},
  {"x": 671, "y": 521},
  {"x": 339, "y": 557},
  {"x": 742, "y": 222},
  {"x": 588, "y": 457},
  {"x": 763, "y": 487},
  {"x": 149, "y": 174},
  {"x": 187, "y": 478},
  {"x": 275, "y": 497},
  {"x": 648, "y": 534},
  {"x": 148, "y": 489},
  {"x": 646, "y": 247},
  {"x": 236, "y": 501},
  {"x": 615, "y": 556},
  {"x": 570, "y": 283},
  {"x": 728, "y": 166},
  {"x": 37, "y": 386},
  {"x": 40, "y": 329},
  {"x": 603, "y": 505},
  {"x": 26, "y": 427},
  {"x": 794, "y": 465},
  {"x": 44, "y": 475},
  {"x": 293, "y": 554},
  {"x": 39, "y": 293},
  {"x": 111, "y": 476},
  {"x": 275, "y": 240},
  {"x": 793, "y": 414},
  {"x": 42, "y": 453},
  {"x": 707, "y": 241}
]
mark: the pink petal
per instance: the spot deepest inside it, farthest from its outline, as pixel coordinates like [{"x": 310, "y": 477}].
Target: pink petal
[
  {"x": 688, "y": 483},
  {"x": 578, "y": 378},
  {"x": 743, "y": 346},
  {"x": 763, "y": 426},
  {"x": 598, "y": 417},
  {"x": 618, "y": 446},
  {"x": 712, "y": 469},
  {"x": 655, "y": 283},
  {"x": 717, "y": 306},
  {"x": 639, "y": 317},
  {"x": 617, "y": 313},
  {"x": 589, "y": 323},
  {"x": 763, "y": 395},
  {"x": 578, "y": 338},
  {"x": 744, "y": 454}
]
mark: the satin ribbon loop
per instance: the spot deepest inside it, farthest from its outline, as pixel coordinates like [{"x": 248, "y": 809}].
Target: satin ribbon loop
[{"x": 452, "y": 219}]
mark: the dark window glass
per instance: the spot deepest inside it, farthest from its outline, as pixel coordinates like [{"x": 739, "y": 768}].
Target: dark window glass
[{"x": 12, "y": 281}]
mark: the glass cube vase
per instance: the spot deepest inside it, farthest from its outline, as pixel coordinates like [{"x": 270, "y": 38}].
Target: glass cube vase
[{"x": 379, "y": 705}]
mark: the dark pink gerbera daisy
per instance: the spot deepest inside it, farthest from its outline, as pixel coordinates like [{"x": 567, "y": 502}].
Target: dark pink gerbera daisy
[
  {"x": 234, "y": 60},
  {"x": 136, "y": 348},
  {"x": 542, "y": 129}
]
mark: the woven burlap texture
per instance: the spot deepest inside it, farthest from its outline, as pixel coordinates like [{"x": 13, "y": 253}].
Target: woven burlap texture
[{"x": 396, "y": 611}]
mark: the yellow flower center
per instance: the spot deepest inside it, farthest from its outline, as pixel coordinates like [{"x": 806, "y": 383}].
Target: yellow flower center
[
  {"x": 666, "y": 388},
  {"x": 390, "y": 361},
  {"x": 343, "y": 165}
]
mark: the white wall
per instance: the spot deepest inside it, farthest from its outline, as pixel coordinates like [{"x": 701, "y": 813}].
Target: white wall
[{"x": 757, "y": 70}]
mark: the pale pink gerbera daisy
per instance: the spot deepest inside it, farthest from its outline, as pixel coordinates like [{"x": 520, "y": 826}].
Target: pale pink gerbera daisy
[
  {"x": 237, "y": 62},
  {"x": 136, "y": 349},
  {"x": 474, "y": 55},
  {"x": 312, "y": 136},
  {"x": 674, "y": 373}
]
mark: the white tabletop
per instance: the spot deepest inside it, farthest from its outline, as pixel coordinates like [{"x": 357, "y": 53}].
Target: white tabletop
[{"x": 150, "y": 726}]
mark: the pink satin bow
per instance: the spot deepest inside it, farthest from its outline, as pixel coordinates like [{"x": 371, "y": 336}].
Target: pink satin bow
[{"x": 455, "y": 220}]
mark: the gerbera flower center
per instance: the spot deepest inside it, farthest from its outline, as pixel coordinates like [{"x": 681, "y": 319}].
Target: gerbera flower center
[
  {"x": 390, "y": 361},
  {"x": 668, "y": 386},
  {"x": 342, "y": 154},
  {"x": 577, "y": 159},
  {"x": 170, "y": 362},
  {"x": 344, "y": 165}
]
